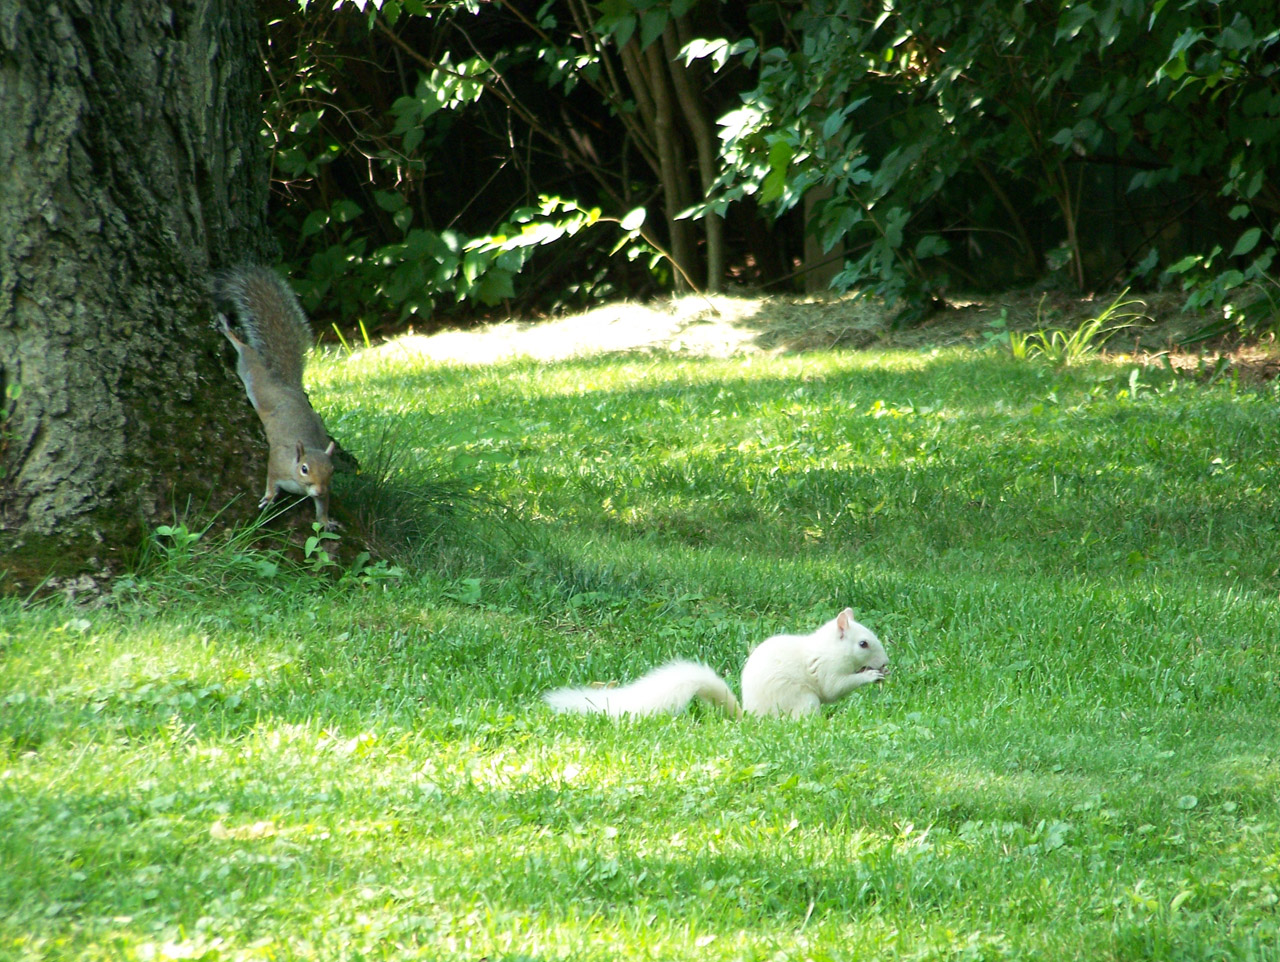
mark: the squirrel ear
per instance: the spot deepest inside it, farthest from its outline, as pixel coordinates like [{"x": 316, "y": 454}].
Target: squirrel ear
[
  {"x": 330, "y": 449},
  {"x": 844, "y": 619},
  {"x": 302, "y": 451}
]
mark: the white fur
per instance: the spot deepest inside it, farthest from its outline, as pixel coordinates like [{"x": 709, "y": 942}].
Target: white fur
[
  {"x": 785, "y": 675},
  {"x": 795, "y": 674},
  {"x": 665, "y": 690}
]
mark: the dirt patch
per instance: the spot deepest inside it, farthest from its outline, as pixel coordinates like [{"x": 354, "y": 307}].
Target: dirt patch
[
  {"x": 1251, "y": 363},
  {"x": 724, "y": 326}
]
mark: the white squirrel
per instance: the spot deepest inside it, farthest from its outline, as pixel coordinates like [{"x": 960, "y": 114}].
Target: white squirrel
[{"x": 785, "y": 675}]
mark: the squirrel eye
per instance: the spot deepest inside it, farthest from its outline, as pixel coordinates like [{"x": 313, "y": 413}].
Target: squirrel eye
[
  {"x": 863, "y": 643},
  {"x": 304, "y": 470}
]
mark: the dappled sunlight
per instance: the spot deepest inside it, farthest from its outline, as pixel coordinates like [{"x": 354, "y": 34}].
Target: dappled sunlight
[
  {"x": 581, "y": 834},
  {"x": 696, "y": 325},
  {"x": 1069, "y": 568},
  {"x": 723, "y": 326}
]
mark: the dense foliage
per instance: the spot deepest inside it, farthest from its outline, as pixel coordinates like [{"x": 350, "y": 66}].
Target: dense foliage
[
  {"x": 979, "y": 143},
  {"x": 460, "y": 150}
]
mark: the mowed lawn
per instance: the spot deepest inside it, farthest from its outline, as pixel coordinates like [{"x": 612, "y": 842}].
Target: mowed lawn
[{"x": 1076, "y": 573}]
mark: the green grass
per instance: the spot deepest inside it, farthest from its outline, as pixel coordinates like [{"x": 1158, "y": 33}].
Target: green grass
[{"x": 1075, "y": 572}]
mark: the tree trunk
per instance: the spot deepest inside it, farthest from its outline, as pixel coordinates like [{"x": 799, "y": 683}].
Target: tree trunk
[
  {"x": 130, "y": 166},
  {"x": 673, "y": 171},
  {"x": 820, "y": 265},
  {"x": 704, "y": 140}
]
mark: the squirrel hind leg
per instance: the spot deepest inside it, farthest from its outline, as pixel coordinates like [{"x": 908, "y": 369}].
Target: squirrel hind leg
[{"x": 222, "y": 324}]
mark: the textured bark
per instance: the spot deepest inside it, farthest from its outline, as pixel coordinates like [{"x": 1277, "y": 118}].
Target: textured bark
[{"x": 129, "y": 167}]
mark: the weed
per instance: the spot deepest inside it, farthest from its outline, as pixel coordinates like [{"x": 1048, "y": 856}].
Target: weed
[{"x": 1061, "y": 348}]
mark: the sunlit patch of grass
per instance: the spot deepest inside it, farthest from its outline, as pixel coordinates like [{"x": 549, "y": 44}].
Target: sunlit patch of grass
[{"x": 1074, "y": 756}]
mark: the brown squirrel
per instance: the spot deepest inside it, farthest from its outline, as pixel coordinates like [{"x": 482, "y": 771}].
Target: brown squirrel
[{"x": 271, "y": 356}]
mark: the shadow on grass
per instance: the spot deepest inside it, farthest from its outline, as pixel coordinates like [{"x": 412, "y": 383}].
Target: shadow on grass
[{"x": 957, "y": 451}]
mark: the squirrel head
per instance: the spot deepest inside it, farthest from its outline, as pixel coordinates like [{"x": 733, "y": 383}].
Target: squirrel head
[
  {"x": 866, "y": 647},
  {"x": 312, "y": 469}
]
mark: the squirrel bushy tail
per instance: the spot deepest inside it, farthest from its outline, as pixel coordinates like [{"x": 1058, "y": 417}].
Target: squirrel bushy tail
[
  {"x": 268, "y": 314},
  {"x": 665, "y": 690}
]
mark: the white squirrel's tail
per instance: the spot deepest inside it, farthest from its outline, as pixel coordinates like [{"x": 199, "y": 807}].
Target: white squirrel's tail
[{"x": 665, "y": 690}]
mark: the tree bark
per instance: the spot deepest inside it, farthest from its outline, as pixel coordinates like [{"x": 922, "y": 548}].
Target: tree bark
[{"x": 130, "y": 166}]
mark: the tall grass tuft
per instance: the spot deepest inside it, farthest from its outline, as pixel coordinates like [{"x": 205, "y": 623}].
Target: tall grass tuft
[{"x": 1060, "y": 348}]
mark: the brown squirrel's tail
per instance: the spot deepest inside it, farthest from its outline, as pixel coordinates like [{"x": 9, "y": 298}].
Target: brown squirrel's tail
[{"x": 269, "y": 318}]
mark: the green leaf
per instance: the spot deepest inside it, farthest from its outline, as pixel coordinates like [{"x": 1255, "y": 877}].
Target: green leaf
[
  {"x": 495, "y": 286},
  {"x": 389, "y": 200},
  {"x": 634, "y": 220},
  {"x": 717, "y": 49},
  {"x": 652, "y": 23},
  {"x": 698, "y": 48},
  {"x": 1073, "y": 20},
  {"x": 1247, "y": 242},
  {"x": 780, "y": 155},
  {"x": 1185, "y": 41},
  {"x": 1238, "y": 35},
  {"x": 474, "y": 265},
  {"x": 316, "y": 221},
  {"x": 291, "y": 161},
  {"x": 622, "y": 29},
  {"x": 931, "y": 245},
  {"x": 1229, "y": 280},
  {"x": 895, "y": 224},
  {"x": 346, "y": 210},
  {"x": 306, "y": 122},
  {"x": 833, "y": 124}
]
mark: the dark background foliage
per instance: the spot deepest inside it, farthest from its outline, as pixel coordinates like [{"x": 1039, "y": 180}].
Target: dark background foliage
[{"x": 435, "y": 163}]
